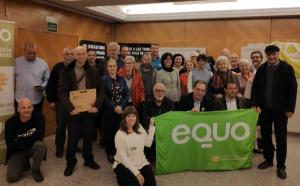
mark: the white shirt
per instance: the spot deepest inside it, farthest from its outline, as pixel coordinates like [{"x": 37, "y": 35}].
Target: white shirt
[
  {"x": 130, "y": 149},
  {"x": 29, "y": 74},
  {"x": 231, "y": 104}
]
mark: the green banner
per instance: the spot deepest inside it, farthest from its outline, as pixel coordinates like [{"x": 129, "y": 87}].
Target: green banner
[
  {"x": 6, "y": 78},
  {"x": 220, "y": 140}
]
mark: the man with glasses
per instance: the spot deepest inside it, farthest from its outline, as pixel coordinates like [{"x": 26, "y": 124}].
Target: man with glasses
[
  {"x": 196, "y": 101},
  {"x": 156, "y": 105},
  {"x": 256, "y": 58}
]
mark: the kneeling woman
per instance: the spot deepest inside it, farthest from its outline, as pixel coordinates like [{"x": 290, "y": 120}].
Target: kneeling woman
[{"x": 131, "y": 165}]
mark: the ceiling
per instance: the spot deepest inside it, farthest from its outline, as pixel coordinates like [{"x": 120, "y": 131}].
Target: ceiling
[{"x": 123, "y": 11}]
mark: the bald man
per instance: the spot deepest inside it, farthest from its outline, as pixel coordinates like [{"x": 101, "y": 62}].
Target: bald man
[
  {"x": 79, "y": 75},
  {"x": 24, "y": 133},
  {"x": 31, "y": 77}
]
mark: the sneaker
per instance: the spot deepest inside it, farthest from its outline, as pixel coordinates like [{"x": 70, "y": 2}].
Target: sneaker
[
  {"x": 265, "y": 164},
  {"x": 281, "y": 173},
  {"x": 92, "y": 164},
  {"x": 68, "y": 171},
  {"x": 37, "y": 175}
]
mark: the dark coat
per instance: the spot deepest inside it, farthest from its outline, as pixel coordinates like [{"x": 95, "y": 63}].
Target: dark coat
[
  {"x": 220, "y": 104},
  {"x": 187, "y": 103},
  {"x": 52, "y": 85},
  {"x": 284, "y": 88},
  {"x": 150, "y": 109},
  {"x": 68, "y": 82}
]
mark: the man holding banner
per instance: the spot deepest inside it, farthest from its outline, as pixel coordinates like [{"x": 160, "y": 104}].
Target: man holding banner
[{"x": 274, "y": 91}]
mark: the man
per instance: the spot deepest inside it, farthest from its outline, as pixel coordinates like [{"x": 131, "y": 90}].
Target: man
[
  {"x": 196, "y": 101},
  {"x": 274, "y": 91},
  {"x": 31, "y": 76},
  {"x": 124, "y": 52},
  {"x": 230, "y": 101},
  {"x": 156, "y": 105},
  {"x": 92, "y": 58},
  {"x": 156, "y": 61},
  {"x": 113, "y": 50},
  {"x": 234, "y": 62},
  {"x": 24, "y": 133},
  {"x": 79, "y": 75},
  {"x": 225, "y": 52},
  {"x": 148, "y": 73},
  {"x": 256, "y": 58},
  {"x": 51, "y": 92}
]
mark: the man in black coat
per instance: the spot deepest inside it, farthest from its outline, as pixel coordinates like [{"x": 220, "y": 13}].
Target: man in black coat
[
  {"x": 51, "y": 92},
  {"x": 197, "y": 101},
  {"x": 230, "y": 101},
  {"x": 79, "y": 75},
  {"x": 274, "y": 92},
  {"x": 24, "y": 133}
]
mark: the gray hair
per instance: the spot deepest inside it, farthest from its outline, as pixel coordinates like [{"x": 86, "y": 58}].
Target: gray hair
[
  {"x": 114, "y": 45},
  {"x": 222, "y": 59},
  {"x": 131, "y": 58}
]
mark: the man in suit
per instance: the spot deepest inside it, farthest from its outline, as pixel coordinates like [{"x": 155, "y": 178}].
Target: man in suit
[
  {"x": 230, "y": 101},
  {"x": 196, "y": 101}
]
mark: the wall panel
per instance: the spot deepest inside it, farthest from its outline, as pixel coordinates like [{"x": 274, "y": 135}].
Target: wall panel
[{"x": 286, "y": 29}]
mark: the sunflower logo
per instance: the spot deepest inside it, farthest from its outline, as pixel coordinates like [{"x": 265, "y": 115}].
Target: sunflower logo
[
  {"x": 3, "y": 81},
  {"x": 215, "y": 158}
]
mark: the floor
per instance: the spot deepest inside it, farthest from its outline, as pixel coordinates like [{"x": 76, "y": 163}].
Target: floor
[{"x": 53, "y": 172}]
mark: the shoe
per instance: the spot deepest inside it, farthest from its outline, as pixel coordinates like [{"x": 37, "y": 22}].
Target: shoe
[
  {"x": 110, "y": 158},
  {"x": 68, "y": 171},
  {"x": 281, "y": 173},
  {"x": 27, "y": 166},
  {"x": 92, "y": 164},
  {"x": 257, "y": 151},
  {"x": 37, "y": 175},
  {"x": 59, "y": 153},
  {"x": 265, "y": 164}
]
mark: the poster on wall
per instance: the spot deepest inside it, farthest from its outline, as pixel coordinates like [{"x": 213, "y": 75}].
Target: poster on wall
[
  {"x": 290, "y": 52},
  {"x": 99, "y": 47},
  {"x": 137, "y": 49},
  {"x": 6, "y": 78}
]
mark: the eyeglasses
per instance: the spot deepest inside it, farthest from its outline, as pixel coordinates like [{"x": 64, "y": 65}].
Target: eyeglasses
[{"x": 159, "y": 90}]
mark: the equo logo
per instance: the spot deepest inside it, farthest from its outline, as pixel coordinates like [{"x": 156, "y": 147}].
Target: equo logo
[
  {"x": 181, "y": 134},
  {"x": 5, "y": 35}
]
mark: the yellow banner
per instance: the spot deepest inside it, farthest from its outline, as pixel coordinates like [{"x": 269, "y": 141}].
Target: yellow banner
[
  {"x": 6, "y": 78},
  {"x": 290, "y": 52}
]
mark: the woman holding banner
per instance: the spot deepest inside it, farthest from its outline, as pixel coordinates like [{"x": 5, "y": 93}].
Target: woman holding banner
[{"x": 131, "y": 166}]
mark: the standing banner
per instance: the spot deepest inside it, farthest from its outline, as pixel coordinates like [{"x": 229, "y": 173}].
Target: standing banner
[
  {"x": 6, "y": 78},
  {"x": 137, "y": 49},
  {"x": 220, "y": 140},
  {"x": 98, "y": 47},
  {"x": 290, "y": 52}
]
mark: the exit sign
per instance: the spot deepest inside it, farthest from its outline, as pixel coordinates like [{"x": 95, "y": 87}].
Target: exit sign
[{"x": 51, "y": 24}]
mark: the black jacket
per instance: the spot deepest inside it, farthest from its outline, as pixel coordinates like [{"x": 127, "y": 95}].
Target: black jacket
[
  {"x": 220, "y": 103},
  {"x": 284, "y": 88},
  {"x": 150, "y": 109},
  {"x": 68, "y": 82},
  {"x": 187, "y": 103},
  {"x": 51, "y": 89},
  {"x": 21, "y": 136}
]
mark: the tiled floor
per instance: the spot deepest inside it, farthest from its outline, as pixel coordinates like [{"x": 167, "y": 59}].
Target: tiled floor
[{"x": 53, "y": 171}]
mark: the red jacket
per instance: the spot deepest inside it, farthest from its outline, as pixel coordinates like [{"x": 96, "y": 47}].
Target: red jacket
[{"x": 137, "y": 87}]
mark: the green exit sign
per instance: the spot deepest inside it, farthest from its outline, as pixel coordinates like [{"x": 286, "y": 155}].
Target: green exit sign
[{"x": 52, "y": 27}]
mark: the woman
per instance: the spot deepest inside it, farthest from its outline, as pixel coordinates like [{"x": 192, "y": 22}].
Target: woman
[
  {"x": 245, "y": 74},
  {"x": 116, "y": 98},
  {"x": 200, "y": 73},
  {"x": 131, "y": 165},
  {"x": 188, "y": 67},
  {"x": 221, "y": 76},
  {"x": 134, "y": 82},
  {"x": 169, "y": 77},
  {"x": 178, "y": 62}
]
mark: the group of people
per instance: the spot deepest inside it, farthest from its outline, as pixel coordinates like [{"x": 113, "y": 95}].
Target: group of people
[{"x": 129, "y": 94}]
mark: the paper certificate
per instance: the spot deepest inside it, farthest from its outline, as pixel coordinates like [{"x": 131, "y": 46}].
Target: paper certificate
[{"x": 83, "y": 100}]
